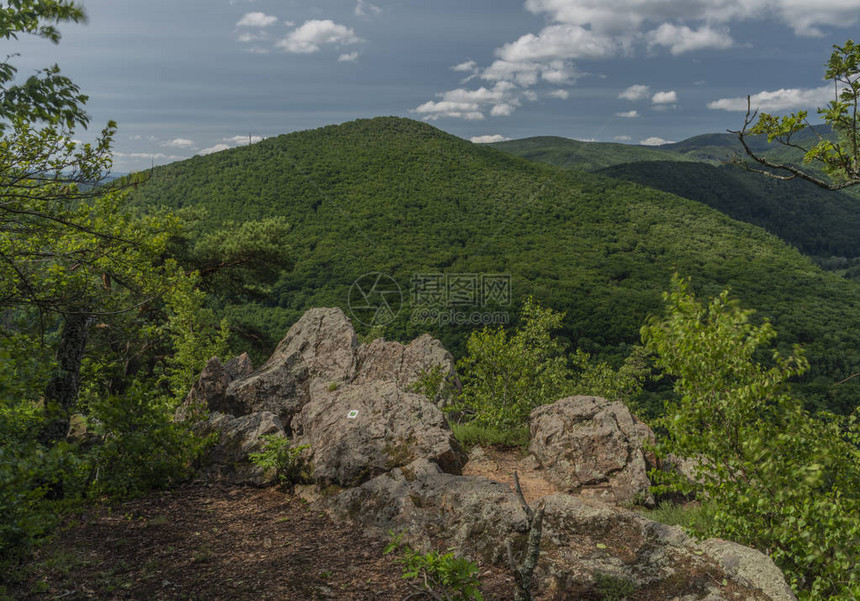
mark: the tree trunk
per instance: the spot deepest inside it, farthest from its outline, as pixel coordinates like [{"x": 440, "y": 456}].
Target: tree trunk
[{"x": 61, "y": 393}]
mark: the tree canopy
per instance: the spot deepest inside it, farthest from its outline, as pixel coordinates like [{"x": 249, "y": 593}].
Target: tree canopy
[{"x": 833, "y": 161}]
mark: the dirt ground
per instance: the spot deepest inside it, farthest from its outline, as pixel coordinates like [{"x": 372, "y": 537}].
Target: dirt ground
[{"x": 213, "y": 543}]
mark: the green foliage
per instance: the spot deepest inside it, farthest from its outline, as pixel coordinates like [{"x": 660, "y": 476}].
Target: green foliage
[
  {"x": 386, "y": 194},
  {"x": 613, "y": 588},
  {"x": 584, "y": 156},
  {"x": 444, "y": 576},
  {"x": 506, "y": 376},
  {"x": 278, "y": 455},
  {"x": 473, "y": 434},
  {"x": 781, "y": 480},
  {"x": 138, "y": 447},
  {"x": 435, "y": 385},
  {"x": 696, "y": 517},
  {"x": 837, "y": 158}
]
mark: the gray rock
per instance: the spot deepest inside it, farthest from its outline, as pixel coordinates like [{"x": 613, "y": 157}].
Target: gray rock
[
  {"x": 750, "y": 566},
  {"x": 228, "y": 460},
  {"x": 593, "y": 447},
  {"x": 582, "y": 537},
  {"x": 280, "y": 386},
  {"x": 407, "y": 364},
  {"x": 209, "y": 392},
  {"x": 389, "y": 428}
]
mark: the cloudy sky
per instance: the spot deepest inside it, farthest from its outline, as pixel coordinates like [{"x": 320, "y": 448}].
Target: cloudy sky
[{"x": 185, "y": 77}]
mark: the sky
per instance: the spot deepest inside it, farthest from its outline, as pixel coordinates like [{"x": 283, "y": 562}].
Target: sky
[{"x": 186, "y": 77}]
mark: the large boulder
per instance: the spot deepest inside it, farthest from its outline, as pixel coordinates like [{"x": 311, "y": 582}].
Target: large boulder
[
  {"x": 583, "y": 539},
  {"x": 237, "y": 437},
  {"x": 358, "y": 431},
  {"x": 209, "y": 392},
  {"x": 406, "y": 365},
  {"x": 319, "y": 349},
  {"x": 593, "y": 447}
]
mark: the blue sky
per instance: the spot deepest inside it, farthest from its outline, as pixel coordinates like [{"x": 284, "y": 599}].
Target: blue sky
[{"x": 183, "y": 77}]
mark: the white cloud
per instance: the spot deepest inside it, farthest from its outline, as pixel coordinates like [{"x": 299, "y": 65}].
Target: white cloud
[
  {"x": 247, "y": 36},
  {"x": 578, "y": 30},
  {"x": 501, "y": 100},
  {"x": 683, "y": 39},
  {"x": 179, "y": 143},
  {"x": 314, "y": 33},
  {"x": 216, "y": 148},
  {"x": 558, "y": 42},
  {"x": 467, "y": 67},
  {"x": 256, "y": 19},
  {"x": 654, "y": 141},
  {"x": 616, "y": 17},
  {"x": 488, "y": 139},
  {"x": 155, "y": 156},
  {"x": 635, "y": 92},
  {"x": 670, "y": 97},
  {"x": 628, "y": 114},
  {"x": 562, "y": 94},
  {"x": 622, "y": 138},
  {"x": 777, "y": 100},
  {"x": 363, "y": 8},
  {"x": 257, "y": 50},
  {"x": 349, "y": 57}
]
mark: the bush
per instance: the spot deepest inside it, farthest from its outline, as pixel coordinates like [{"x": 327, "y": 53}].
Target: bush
[
  {"x": 443, "y": 576},
  {"x": 278, "y": 454},
  {"x": 475, "y": 435},
  {"x": 781, "y": 480}
]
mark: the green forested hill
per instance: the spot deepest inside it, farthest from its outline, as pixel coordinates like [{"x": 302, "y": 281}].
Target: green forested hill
[
  {"x": 585, "y": 156},
  {"x": 403, "y": 198},
  {"x": 816, "y": 221}
]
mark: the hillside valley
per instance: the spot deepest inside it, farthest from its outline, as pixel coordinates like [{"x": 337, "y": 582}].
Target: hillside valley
[{"x": 402, "y": 198}]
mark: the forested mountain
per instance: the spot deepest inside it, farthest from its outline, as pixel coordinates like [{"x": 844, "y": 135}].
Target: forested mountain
[
  {"x": 586, "y": 156},
  {"x": 403, "y": 198},
  {"x": 816, "y": 221}
]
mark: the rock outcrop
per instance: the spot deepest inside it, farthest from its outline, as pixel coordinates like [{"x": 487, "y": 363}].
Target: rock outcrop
[
  {"x": 351, "y": 403},
  {"x": 593, "y": 447},
  {"x": 383, "y": 456},
  {"x": 583, "y": 538}
]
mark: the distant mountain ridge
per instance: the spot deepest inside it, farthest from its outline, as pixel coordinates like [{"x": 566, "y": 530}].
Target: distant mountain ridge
[{"x": 402, "y": 198}]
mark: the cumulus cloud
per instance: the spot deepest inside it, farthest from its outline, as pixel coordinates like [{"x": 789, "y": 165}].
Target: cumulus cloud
[
  {"x": 628, "y": 114},
  {"x": 348, "y": 57},
  {"x": 155, "y": 156},
  {"x": 216, "y": 148},
  {"x": 313, "y": 34},
  {"x": 654, "y": 141},
  {"x": 636, "y": 92},
  {"x": 579, "y": 30},
  {"x": 616, "y": 17},
  {"x": 681, "y": 39},
  {"x": 562, "y": 94},
  {"x": 501, "y": 100},
  {"x": 249, "y": 36},
  {"x": 622, "y": 138},
  {"x": 466, "y": 67},
  {"x": 777, "y": 100},
  {"x": 670, "y": 97},
  {"x": 256, "y": 19},
  {"x": 488, "y": 139}
]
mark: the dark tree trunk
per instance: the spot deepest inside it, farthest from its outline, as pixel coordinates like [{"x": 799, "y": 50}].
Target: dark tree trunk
[{"x": 61, "y": 394}]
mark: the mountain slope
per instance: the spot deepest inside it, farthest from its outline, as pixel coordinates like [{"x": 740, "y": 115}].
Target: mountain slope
[
  {"x": 816, "y": 221},
  {"x": 585, "y": 156},
  {"x": 402, "y": 198}
]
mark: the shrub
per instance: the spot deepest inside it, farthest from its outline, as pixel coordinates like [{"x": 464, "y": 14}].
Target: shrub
[
  {"x": 781, "y": 480},
  {"x": 278, "y": 454},
  {"x": 442, "y": 575}
]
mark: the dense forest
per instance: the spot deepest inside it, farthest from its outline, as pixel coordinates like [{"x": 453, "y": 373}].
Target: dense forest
[{"x": 402, "y": 198}]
